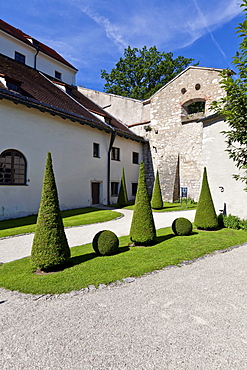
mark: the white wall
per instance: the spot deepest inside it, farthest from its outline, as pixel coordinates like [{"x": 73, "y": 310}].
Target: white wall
[
  {"x": 46, "y": 64},
  {"x": 34, "y": 134},
  {"x": 127, "y": 147},
  {"x": 220, "y": 169}
]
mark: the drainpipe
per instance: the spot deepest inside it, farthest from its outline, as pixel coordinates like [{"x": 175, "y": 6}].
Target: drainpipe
[
  {"x": 35, "y": 57},
  {"x": 113, "y": 135}
]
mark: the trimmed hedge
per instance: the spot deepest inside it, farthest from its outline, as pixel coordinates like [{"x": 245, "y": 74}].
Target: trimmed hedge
[
  {"x": 205, "y": 217},
  {"x": 182, "y": 226},
  {"x": 142, "y": 231},
  {"x": 156, "y": 201},
  {"x": 105, "y": 243},
  {"x": 50, "y": 249}
]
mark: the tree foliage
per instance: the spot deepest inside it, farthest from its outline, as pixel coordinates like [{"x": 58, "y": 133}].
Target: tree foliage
[
  {"x": 141, "y": 72},
  {"x": 233, "y": 106},
  {"x": 142, "y": 231},
  {"x": 122, "y": 196},
  {"x": 50, "y": 247},
  {"x": 205, "y": 217},
  {"x": 156, "y": 200}
]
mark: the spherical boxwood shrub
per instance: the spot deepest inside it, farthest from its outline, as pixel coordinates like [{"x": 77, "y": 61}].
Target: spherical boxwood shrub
[
  {"x": 182, "y": 226},
  {"x": 105, "y": 243}
]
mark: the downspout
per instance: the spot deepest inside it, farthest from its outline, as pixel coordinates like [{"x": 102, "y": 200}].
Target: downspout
[
  {"x": 35, "y": 57},
  {"x": 113, "y": 135}
]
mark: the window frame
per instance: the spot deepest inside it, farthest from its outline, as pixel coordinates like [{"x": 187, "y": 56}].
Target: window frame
[
  {"x": 58, "y": 75},
  {"x": 96, "y": 150},
  {"x": 115, "y": 193},
  {"x": 134, "y": 184},
  {"x": 135, "y": 157},
  {"x": 14, "y": 169},
  {"x": 20, "y": 57},
  {"x": 115, "y": 153}
]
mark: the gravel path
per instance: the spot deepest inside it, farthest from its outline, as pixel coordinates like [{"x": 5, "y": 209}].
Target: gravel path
[
  {"x": 193, "y": 317},
  {"x": 18, "y": 247},
  {"x": 186, "y": 318}
]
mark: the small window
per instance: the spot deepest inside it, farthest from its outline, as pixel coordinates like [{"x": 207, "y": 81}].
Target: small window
[
  {"x": 115, "y": 154},
  {"x": 134, "y": 188},
  {"x": 20, "y": 57},
  {"x": 12, "y": 168},
  {"x": 13, "y": 86},
  {"x": 58, "y": 75},
  {"x": 135, "y": 158},
  {"x": 114, "y": 189},
  {"x": 96, "y": 150}
]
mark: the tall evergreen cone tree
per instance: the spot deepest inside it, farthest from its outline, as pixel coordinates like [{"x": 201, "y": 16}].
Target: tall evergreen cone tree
[
  {"x": 142, "y": 231},
  {"x": 122, "y": 196},
  {"x": 156, "y": 201},
  {"x": 205, "y": 217},
  {"x": 50, "y": 247}
]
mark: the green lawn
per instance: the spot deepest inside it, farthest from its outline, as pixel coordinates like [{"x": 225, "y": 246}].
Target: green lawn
[
  {"x": 86, "y": 268},
  {"x": 73, "y": 217},
  {"x": 169, "y": 207}
]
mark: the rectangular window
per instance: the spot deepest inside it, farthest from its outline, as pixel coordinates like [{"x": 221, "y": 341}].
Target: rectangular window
[
  {"x": 96, "y": 150},
  {"x": 135, "y": 158},
  {"x": 115, "y": 154},
  {"x": 114, "y": 189},
  {"x": 20, "y": 57},
  {"x": 58, "y": 75},
  {"x": 134, "y": 188}
]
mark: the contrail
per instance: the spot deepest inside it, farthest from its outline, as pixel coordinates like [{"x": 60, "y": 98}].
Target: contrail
[{"x": 210, "y": 33}]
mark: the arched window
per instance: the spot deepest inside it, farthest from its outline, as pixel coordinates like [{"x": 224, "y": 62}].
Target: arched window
[
  {"x": 193, "y": 109},
  {"x": 13, "y": 168}
]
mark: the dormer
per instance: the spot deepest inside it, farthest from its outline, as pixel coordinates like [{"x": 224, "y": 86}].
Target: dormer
[{"x": 26, "y": 49}]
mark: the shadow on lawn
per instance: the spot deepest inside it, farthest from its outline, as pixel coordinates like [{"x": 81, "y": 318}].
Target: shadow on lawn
[{"x": 77, "y": 260}]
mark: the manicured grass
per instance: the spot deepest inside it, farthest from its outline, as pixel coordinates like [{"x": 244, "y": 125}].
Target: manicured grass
[
  {"x": 170, "y": 207},
  {"x": 86, "y": 268},
  {"x": 73, "y": 217}
]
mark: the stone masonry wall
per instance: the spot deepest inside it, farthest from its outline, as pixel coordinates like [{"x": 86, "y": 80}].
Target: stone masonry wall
[{"x": 176, "y": 147}]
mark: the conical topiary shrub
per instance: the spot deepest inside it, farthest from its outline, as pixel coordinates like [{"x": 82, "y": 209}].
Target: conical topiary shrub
[
  {"x": 205, "y": 217},
  {"x": 122, "y": 196},
  {"x": 156, "y": 201},
  {"x": 50, "y": 249},
  {"x": 142, "y": 231}
]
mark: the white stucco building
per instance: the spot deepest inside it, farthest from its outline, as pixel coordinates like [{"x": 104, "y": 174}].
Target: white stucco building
[{"x": 42, "y": 110}]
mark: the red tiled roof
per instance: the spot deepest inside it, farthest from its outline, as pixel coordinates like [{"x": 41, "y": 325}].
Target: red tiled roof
[
  {"x": 38, "y": 91},
  {"x": 15, "y": 32}
]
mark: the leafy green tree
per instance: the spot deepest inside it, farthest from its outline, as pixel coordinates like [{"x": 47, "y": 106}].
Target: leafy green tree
[
  {"x": 142, "y": 72},
  {"x": 205, "y": 217},
  {"x": 142, "y": 231},
  {"x": 50, "y": 248},
  {"x": 122, "y": 196},
  {"x": 156, "y": 201},
  {"x": 233, "y": 106}
]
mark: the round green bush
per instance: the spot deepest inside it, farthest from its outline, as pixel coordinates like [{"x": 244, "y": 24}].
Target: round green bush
[
  {"x": 105, "y": 243},
  {"x": 182, "y": 226}
]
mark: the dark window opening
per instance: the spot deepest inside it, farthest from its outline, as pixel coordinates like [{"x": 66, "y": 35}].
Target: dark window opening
[
  {"x": 135, "y": 158},
  {"x": 134, "y": 188},
  {"x": 12, "y": 168},
  {"x": 115, "y": 154},
  {"x": 20, "y": 57},
  {"x": 114, "y": 189},
  {"x": 196, "y": 107},
  {"x": 13, "y": 86},
  {"x": 58, "y": 75},
  {"x": 96, "y": 150}
]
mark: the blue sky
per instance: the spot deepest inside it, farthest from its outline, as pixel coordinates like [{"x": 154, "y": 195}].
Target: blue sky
[{"x": 92, "y": 34}]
